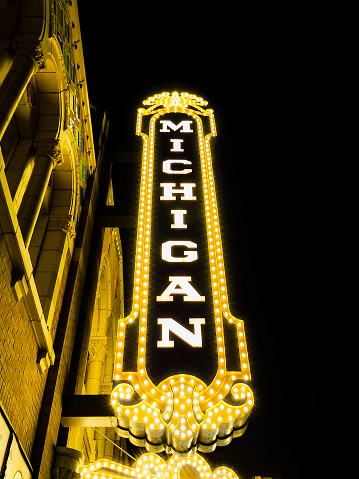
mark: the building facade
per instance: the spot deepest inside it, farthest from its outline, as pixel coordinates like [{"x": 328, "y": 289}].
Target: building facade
[{"x": 50, "y": 171}]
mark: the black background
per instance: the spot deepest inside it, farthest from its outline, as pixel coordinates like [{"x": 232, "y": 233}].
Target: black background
[
  {"x": 200, "y": 362},
  {"x": 265, "y": 73}
]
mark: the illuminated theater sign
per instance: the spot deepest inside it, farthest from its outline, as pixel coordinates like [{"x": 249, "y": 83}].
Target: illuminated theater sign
[{"x": 181, "y": 361}]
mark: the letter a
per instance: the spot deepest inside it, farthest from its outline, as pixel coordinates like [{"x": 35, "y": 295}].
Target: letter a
[{"x": 180, "y": 285}]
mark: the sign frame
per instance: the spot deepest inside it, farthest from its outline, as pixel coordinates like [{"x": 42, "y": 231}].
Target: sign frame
[{"x": 182, "y": 413}]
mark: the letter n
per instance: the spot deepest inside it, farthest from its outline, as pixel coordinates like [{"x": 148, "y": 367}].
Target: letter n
[{"x": 193, "y": 339}]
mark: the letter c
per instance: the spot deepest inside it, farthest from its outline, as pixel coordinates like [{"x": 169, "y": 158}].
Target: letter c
[{"x": 167, "y": 167}]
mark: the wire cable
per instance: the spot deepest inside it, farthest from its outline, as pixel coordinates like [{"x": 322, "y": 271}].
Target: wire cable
[{"x": 114, "y": 443}]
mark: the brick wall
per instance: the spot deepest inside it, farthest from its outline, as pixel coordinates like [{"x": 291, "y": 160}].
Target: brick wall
[{"x": 21, "y": 383}]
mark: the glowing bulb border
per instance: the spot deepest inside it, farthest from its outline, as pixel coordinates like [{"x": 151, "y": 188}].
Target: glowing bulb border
[
  {"x": 153, "y": 466},
  {"x": 158, "y": 408}
]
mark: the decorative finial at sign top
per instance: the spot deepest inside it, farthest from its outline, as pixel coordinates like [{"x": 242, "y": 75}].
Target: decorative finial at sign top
[{"x": 175, "y": 99}]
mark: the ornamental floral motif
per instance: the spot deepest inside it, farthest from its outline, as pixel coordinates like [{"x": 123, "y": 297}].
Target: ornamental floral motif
[
  {"x": 175, "y": 99},
  {"x": 62, "y": 223},
  {"x": 181, "y": 420},
  {"x": 97, "y": 350},
  {"x": 52, "y": 149},
  {"x": 152, "y": 466},
  {"x": 33, "y": 50}
]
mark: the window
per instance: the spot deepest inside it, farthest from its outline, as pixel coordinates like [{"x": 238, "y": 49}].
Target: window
[
  {"x": 67, "y": 60},
  {"x": 77, "y": 108},
  {"x": 72, "y": 125},
  {"x": 67, "y": 30},
  {"x": 72, "y": 100},
  {"x": 72, "y": 71},
  {"x": 61, "y": 42},
  {"x": 82, "y": 142},
  {"x": 77, "y": 138},
  {"x": 60, "y": 15}
]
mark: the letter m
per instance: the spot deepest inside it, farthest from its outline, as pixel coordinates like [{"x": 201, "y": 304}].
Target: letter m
[{"x": 184, "y": 126}]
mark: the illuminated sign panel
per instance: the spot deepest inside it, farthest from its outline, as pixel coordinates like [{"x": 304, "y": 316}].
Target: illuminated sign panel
[
  {"x": 178, "y": 388},
  {"x": 181, "y": 295}
]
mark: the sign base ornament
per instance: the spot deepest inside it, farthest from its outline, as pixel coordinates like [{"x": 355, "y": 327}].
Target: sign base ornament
[
  {"x": 181, "y": 367},
  {"x": 152, "y": 466}
]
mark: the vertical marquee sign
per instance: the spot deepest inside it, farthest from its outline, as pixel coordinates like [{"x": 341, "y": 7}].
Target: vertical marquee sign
[{"x": 181, "y": 361}]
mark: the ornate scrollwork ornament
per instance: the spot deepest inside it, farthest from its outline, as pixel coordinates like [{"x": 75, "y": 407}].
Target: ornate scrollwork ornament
[
  {"x": 51, "y": 149},
  {"x": 31, "y": 49},
  {"x": 153, "y": 466}
]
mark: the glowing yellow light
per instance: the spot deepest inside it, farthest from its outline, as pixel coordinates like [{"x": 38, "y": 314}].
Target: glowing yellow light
[{"x": 213, "y": 393}]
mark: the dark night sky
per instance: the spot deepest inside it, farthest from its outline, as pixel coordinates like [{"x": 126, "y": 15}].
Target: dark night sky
[{"x": 265, "y": 84}]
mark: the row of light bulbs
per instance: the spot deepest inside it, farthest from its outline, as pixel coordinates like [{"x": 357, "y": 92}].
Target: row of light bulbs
[
  {"x": 153, "y": 466},
  {"x": 182, "y": 413},
  {"x": 183, "y": 417},
  {"x": 175, "y": 101}
]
